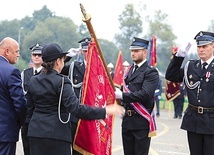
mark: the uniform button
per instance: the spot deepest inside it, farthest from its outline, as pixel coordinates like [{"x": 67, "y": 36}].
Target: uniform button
[
  {"x": 199, "y": 100},
  {"x": 200, "y": 90},
  {"x": 201, "y": 79}
]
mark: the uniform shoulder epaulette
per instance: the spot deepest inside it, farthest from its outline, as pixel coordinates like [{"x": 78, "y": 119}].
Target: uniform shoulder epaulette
[
  {"x": 27, "y": 69},
  {"x": 150, "y": 66},
  {"x": 77, "y": 62},
  {"x": 60, "y": 75}
]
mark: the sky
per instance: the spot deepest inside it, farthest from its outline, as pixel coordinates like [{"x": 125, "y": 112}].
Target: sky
[{"x": 186, "y": 17}]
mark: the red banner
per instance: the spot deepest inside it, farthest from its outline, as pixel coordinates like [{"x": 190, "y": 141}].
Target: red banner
[
  {"x": 153, "y": 60},
  {"x": 118, "y": 73},
  {"x": 94, "y": 137},
  {"x": 172, "y": 90}
]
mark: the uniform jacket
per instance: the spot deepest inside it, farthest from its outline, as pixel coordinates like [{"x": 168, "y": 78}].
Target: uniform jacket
[
  {"x": 142, "y": 84},
  {"x": 12, "y": 102},
  {"x": 78, "y": 76},
  {"x": 158, "y": 90},
  {"x": 78, "y": 72},
  {"x": 26, "y": 75},
  {"x": 43, "y": 96},
  {"x": 202, "y": 95}
]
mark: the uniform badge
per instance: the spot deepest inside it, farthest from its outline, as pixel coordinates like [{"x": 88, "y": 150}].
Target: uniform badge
[
  {"x": 197, "y": 64},
  {"x": 207, "y": 76}
]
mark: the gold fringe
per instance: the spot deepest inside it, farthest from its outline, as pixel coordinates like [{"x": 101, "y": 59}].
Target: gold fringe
[{"x": 152, "y": 134}]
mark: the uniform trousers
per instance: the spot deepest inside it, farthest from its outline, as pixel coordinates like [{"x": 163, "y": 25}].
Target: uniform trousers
[
  {"x": 200, "y": 144},
  {"x": 45, "y": 146},
  {"x": 25, "y": 140},
  {"x": 135, "y": 142},
  {"x": 7, "y": 148},
  {"x": 73, "y": 131}
]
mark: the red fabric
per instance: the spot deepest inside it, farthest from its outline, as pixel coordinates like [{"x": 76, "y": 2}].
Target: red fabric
[
  {"x": 95, "y": 136},
  {"x": 153, "y": 52},
  {"x": 118, "y": 73},
  {"x": 172, "y": 90}
]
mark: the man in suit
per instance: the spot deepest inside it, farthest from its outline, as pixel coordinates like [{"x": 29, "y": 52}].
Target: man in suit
[
  {"x": 12, "y": 99},
  {"x": 198, "y": 76},
  {"x": 139, "y": 87},
  {"x": 36, "y": 53}
]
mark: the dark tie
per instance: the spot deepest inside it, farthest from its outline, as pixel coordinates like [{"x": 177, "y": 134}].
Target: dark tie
[
  {"x": 204, "y": 67},
  {"x": 36, "y": 72},
  {"x": 135, "y": 68}
]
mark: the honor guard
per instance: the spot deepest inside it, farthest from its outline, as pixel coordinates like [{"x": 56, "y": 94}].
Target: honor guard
[
  {"x": 76, "y": 75},
  {"x": 137, "y": 97},
  {"x": 36, "y": 59},
  {"x": 36, "y": 51},
  {"x": 198, "y": 77},
  {"x": 110, "y": 67}
]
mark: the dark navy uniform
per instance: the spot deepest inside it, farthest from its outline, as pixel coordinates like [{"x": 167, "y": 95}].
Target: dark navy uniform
[
  {"x": 142, "y": 84},
  {"x": 198, "y": 118},
  {"x": 26, "y": 75},
  {"x": 76, "y": 71},
  {"x": 44, "y": 98},
  {"x": 51, "y": 98},
  {"x": 179, "y": 102}
]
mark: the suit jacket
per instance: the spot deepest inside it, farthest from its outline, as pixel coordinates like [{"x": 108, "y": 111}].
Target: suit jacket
[
  {"x": 43, "y": 96},
  {"x": 142, "y": 84},
  {"x": 202, "y": 95},
  {"x": 12, "y": 102}
]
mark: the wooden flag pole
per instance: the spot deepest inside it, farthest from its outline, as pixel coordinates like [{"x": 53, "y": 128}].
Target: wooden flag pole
[{"x": 87, "y": 20}]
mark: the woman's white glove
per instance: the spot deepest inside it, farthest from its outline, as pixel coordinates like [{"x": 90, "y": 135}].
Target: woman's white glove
[{"x": 118, "y": 93}]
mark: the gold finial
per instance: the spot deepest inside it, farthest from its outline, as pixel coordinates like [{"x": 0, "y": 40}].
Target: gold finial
[{"x": 86, "y": 16}]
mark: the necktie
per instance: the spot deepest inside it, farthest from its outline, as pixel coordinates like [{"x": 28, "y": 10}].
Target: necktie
[
  {"x": 135, "y": 68},
  {"x": 35, "y": 72},
  {"x": 204, "y": 67}
]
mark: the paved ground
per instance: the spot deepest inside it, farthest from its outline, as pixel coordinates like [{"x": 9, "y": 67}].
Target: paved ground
[{"x": 170, "y": 140}]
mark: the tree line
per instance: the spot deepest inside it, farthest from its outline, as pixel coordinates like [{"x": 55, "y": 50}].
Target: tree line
[{"x": 45, "y": 27}]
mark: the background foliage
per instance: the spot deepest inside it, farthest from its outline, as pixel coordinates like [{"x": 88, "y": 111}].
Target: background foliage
[{"x": 44, "y": 27}]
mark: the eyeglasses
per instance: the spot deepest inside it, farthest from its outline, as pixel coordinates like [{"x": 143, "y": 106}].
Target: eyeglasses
[{"x": 39, "y": 55}]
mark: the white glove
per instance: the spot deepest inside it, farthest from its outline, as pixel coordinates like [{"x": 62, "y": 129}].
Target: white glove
[
  {"x": 183, "y": 52},
  {"x": 118, "y": 93},
  {"x": 72, "y": 52}
]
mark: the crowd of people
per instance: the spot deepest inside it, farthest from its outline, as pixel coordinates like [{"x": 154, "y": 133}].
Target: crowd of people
[{"x": 30, "y": 99}]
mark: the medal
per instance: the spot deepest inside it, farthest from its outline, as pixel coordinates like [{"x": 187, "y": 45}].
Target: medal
[{"x": 207, "y": 76}]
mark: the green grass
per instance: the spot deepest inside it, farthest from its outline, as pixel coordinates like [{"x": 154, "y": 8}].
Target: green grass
[{"x": 169, "y": 104}]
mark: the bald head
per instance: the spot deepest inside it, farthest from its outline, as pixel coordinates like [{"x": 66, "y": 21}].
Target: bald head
[{"x": 9, "y": 48}]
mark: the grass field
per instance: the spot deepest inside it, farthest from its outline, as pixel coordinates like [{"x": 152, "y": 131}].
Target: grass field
[{"x": 168, "y": 105}]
